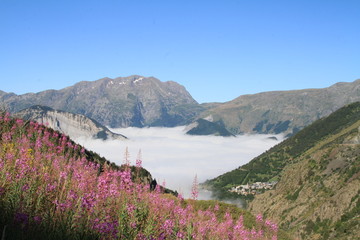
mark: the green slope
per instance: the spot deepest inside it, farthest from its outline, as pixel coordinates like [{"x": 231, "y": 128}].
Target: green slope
[
  {"x": 268, "y": 166},
  {"x": 318, "y": 194}
]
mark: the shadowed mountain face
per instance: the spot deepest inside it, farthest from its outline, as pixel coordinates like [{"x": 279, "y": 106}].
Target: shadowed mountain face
[
  {"x": 145, "y": 101},
  {"x": 120, "y": 102},
  {"x": 206, "y": 127}
]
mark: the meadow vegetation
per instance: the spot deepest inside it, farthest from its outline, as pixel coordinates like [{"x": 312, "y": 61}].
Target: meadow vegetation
[{"x": 52, "y": 188}]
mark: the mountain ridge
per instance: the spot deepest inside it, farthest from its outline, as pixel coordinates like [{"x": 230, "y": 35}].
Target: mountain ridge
[
  {"x": 146, "y": 101},
  {"x": 119, "y": 102},
  {"x": 282, "y": 111}
]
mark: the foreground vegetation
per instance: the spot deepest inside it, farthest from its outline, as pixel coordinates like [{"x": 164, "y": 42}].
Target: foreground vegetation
[{"x": 51, "y": 188}]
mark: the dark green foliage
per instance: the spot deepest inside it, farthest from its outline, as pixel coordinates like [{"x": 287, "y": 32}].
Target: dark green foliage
[
  {"x": 34, "y": 231},
  {"x": 294, "y": 196},
  {"x": 348, "y": 221},
  {"x": 321, "y": 227},
  {"x": 338, "y": 230},
  {"x": 352, "y": 170}
]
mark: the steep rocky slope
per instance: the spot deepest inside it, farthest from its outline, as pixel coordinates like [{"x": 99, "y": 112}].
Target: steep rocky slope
[
  {"x": 73, "y": 125},
  {"x": 318, "y": 172}
]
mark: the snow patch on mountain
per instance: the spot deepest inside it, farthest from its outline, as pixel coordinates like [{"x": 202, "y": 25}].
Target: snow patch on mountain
[{"x": 138, "y": 79}]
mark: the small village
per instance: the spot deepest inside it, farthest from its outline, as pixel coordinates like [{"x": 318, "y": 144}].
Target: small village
[{"x": 253, "y": 188}]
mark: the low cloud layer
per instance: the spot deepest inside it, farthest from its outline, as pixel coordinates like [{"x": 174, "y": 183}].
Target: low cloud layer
[{"x": 174, "y": 157}]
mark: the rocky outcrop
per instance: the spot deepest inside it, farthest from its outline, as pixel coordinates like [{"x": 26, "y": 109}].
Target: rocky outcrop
[{"x": 73, "y": 125}]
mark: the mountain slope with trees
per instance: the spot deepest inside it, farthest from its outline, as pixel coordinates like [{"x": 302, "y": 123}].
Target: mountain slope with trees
[
  {"x": 318, "y": 172},
  {"x": 318, "y": 195}
]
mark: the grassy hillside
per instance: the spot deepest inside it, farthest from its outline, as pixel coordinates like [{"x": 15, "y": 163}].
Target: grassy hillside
[
  {"x": 318, "y": 195},
  {"x": 269, "y": 165},
  {"x": 51, "y": 188}
]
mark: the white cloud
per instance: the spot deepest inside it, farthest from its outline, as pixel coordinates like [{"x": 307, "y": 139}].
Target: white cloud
[{"x": 171, "y": 155}]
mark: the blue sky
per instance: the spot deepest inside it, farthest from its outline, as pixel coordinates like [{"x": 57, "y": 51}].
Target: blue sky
[{"x": 217, "y": 49}]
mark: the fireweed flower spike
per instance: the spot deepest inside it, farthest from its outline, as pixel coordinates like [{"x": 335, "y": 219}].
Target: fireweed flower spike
[{"x": 194, "y": 189}]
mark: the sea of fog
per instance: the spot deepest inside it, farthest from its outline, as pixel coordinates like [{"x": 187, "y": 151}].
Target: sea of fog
[{"x": 175, "y": 158}]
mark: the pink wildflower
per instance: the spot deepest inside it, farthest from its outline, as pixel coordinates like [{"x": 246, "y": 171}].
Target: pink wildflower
[
  {"x": 168, "y": 226},
  {"x": 2, "y": 191},
  {"x": 259, "y": 218},
  {"x": 25, "y": 187},
  {"x": 138, "y": 160},
  {"x": 194, "y": 189},
  {"x": 37, "y": 219}
]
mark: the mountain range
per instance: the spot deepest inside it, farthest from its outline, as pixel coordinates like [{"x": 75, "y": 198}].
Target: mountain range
[
  {"x": 146, "y": 101},
  {"x": 282, "y": 111},
  {"x": 121, "y": 102}
]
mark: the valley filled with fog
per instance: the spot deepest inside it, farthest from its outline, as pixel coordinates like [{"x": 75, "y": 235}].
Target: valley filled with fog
[{"x": 174, "y": 157}]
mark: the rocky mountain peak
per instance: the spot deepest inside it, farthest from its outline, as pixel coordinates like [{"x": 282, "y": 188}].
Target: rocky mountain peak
[{"x": 120, "y": 102}]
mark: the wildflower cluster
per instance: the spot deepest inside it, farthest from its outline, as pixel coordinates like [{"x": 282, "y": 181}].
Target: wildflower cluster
[{"x": 46, "y": 182}]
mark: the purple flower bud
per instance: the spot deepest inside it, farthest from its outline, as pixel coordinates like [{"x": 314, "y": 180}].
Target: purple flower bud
[{"x": 2, "y": 191}]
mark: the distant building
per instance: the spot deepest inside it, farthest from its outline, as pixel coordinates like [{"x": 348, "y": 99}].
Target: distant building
[{"x": 251, "y": 188}]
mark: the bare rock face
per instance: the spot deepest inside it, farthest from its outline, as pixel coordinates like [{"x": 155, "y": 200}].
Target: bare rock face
[{"x": 73, "y": 125}]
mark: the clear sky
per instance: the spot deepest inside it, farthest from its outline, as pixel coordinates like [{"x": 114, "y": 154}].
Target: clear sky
[{"x": 217, "y": 49}]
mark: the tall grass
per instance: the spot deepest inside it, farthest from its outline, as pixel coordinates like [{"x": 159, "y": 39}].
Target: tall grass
[{"x": 50, "y": 190}]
